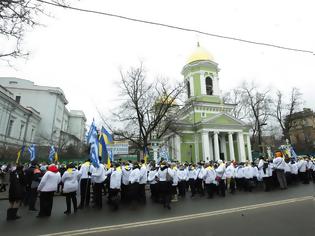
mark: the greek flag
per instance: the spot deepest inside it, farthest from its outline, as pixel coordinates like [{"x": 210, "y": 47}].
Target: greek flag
[
  {"x": 31, "y": 150},
  {"x": 89, "y": 134},
  {"x": 93, "y": 142},
  {"x": 51, "y": 153},
  {"x": 163, "y": 153}
]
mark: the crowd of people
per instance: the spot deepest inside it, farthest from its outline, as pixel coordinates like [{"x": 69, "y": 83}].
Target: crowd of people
[{"x": 126, "y": 182}]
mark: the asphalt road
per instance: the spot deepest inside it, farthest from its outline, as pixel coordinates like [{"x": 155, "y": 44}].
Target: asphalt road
[{"x": 281, "y": 218}]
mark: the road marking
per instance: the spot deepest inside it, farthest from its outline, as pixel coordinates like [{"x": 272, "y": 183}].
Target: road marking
[{"x": 177, "y": 218}]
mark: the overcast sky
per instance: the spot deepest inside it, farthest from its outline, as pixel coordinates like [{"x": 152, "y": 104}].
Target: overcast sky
[{"x": 82, "y": 53}]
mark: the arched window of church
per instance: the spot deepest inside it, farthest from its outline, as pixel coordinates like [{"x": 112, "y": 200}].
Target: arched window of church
[
  {"x": 188, "y": 89},
  {"x": 209, "y": 86}
]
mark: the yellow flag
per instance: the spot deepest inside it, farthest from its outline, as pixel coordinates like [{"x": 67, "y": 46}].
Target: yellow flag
[
  {"x": 56, "y": 156},
  {"x": 18, "y": 156}
]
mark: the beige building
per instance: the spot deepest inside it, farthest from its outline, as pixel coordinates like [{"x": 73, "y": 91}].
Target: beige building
[{"x": 302, "y": 132}]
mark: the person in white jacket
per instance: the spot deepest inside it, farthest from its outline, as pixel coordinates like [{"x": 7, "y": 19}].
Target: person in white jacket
[
  {"x": 302, "y": 165},
  {"x": 153, "y": 183},
  {"x": 220, "y": 178},
  {"x": 134, "y": 179},
  {"x": 114, "y": 186},
  {"x": 165, "y": 175},
  {"x": 230, "y": 175},
  {"x": 70, "y": 180},
  {"x": 209, "y": 178},
  {"x": 279, "y": 166},
  {"x": 192, "y": 176},
  {"x": 263, "y": 172},
  {"x": 143, "y": 181},
  {"x": 85, "y": 183},
  {"x": 182, "y": 175},
  {"x": 47, "y": 186},
  {"x": 98, "y": 175},
  {"x": 248, "y": 175},
  {"x": 126, "y": 170},
  {"x": 239, "y": 176},
  {"x": 174, "y": 182}
]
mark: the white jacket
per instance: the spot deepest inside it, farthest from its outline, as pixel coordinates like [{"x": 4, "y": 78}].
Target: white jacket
[
  {"x": 192, "y": 174},
  {"x": 70, "y": 181},
  {"x": 175, "y": 177},
  {"x": 99, "y": 174},
  {"x": 161, "y": 174},
  {"x": 279, "y": 163},
  {"x": 125, "y": 175},
  {"x": 210, "y": 176},
  {"x": 143, "y": 174},
  {"x": 85, "y": 168},
  {"x": 261, "y": 172},
  {"x": 134, "y": 176},
  {"x": 221, "y": 171},
  {"x": 182, "y": 175},
  {"x": 151, "y": 177},
  {"x": 294, "y": 168},
  {"x": 302, "y": 164},
  {"x": 115, "y": 179},
  {"x": 239, "y": 173},
  {"x": 230, "y": 171},
  {"x": 248, "y": 172},
  {"x": 49, "y": 182}
]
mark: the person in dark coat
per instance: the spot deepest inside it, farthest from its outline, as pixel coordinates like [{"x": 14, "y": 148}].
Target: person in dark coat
[
  {"x": 29, "y": 174},
  {"x": 16, "y": 191},
  {"x": 37, "y": 175}
]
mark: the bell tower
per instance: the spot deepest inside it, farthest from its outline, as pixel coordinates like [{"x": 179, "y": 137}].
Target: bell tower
[{"x": 201, "y": 77}]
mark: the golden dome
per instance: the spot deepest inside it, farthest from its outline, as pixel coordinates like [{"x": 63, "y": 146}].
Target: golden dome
[{"x": 200, "y": 54}]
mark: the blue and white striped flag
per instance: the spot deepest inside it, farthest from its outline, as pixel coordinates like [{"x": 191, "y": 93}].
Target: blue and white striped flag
[
  {"x": 31, "y": 150},
  {"x": 93, "y": 142},
  {"x": 51, "y": 153},
  {"x": 163, "y": 153},
  {"x": 89, "y": 134}
]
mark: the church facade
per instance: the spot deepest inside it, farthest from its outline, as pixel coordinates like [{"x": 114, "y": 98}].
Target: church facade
[{"x": 205, "y": 130}]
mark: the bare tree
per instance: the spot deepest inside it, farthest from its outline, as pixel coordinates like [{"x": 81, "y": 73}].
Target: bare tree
[
  {"x": 284, "y": 110},
  {"x": 148, "y": 110},
  {"x": 16, "y": 16},
  {"x": 236, "y": 97},
  {"x": 258, "y": 103}
]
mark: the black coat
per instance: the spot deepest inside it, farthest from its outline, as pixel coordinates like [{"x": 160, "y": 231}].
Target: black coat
[{"x": 17, "y": 186}]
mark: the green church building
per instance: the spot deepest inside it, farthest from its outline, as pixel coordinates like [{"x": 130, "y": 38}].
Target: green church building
[{"x": 205, "y": 128}]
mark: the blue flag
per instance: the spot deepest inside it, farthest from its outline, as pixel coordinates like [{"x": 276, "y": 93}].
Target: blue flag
[
  {"x": 93, "y": 142},
  {"x": 108, "y": 137},
  {"x": 51, "y": 154},
  {"x": 31, "y": 150},
  {"x": 89, "y": 134},
  {"x": 293, "y": 154},
  {"x": 103, "y": 149}
]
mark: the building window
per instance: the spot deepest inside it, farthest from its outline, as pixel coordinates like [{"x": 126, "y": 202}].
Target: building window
[
  {"x": 32, "y": 134},
  {"x": 21, "y": 130},
  {"x": 188, "y": 89},
  {"x": 11, "y": 122},
  {"x": 203, "y": 114},
  {"x": 209, "y": 86},
  {"x": 18, "y": 99}
]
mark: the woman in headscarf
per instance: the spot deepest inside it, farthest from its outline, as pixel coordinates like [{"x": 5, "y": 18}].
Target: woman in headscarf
[
  {"x": 70, "y": 180},
  {"x": 16, "y": 191}
]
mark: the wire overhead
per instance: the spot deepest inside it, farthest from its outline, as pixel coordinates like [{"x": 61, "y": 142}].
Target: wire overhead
[{"x": 178, "y": 28}]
